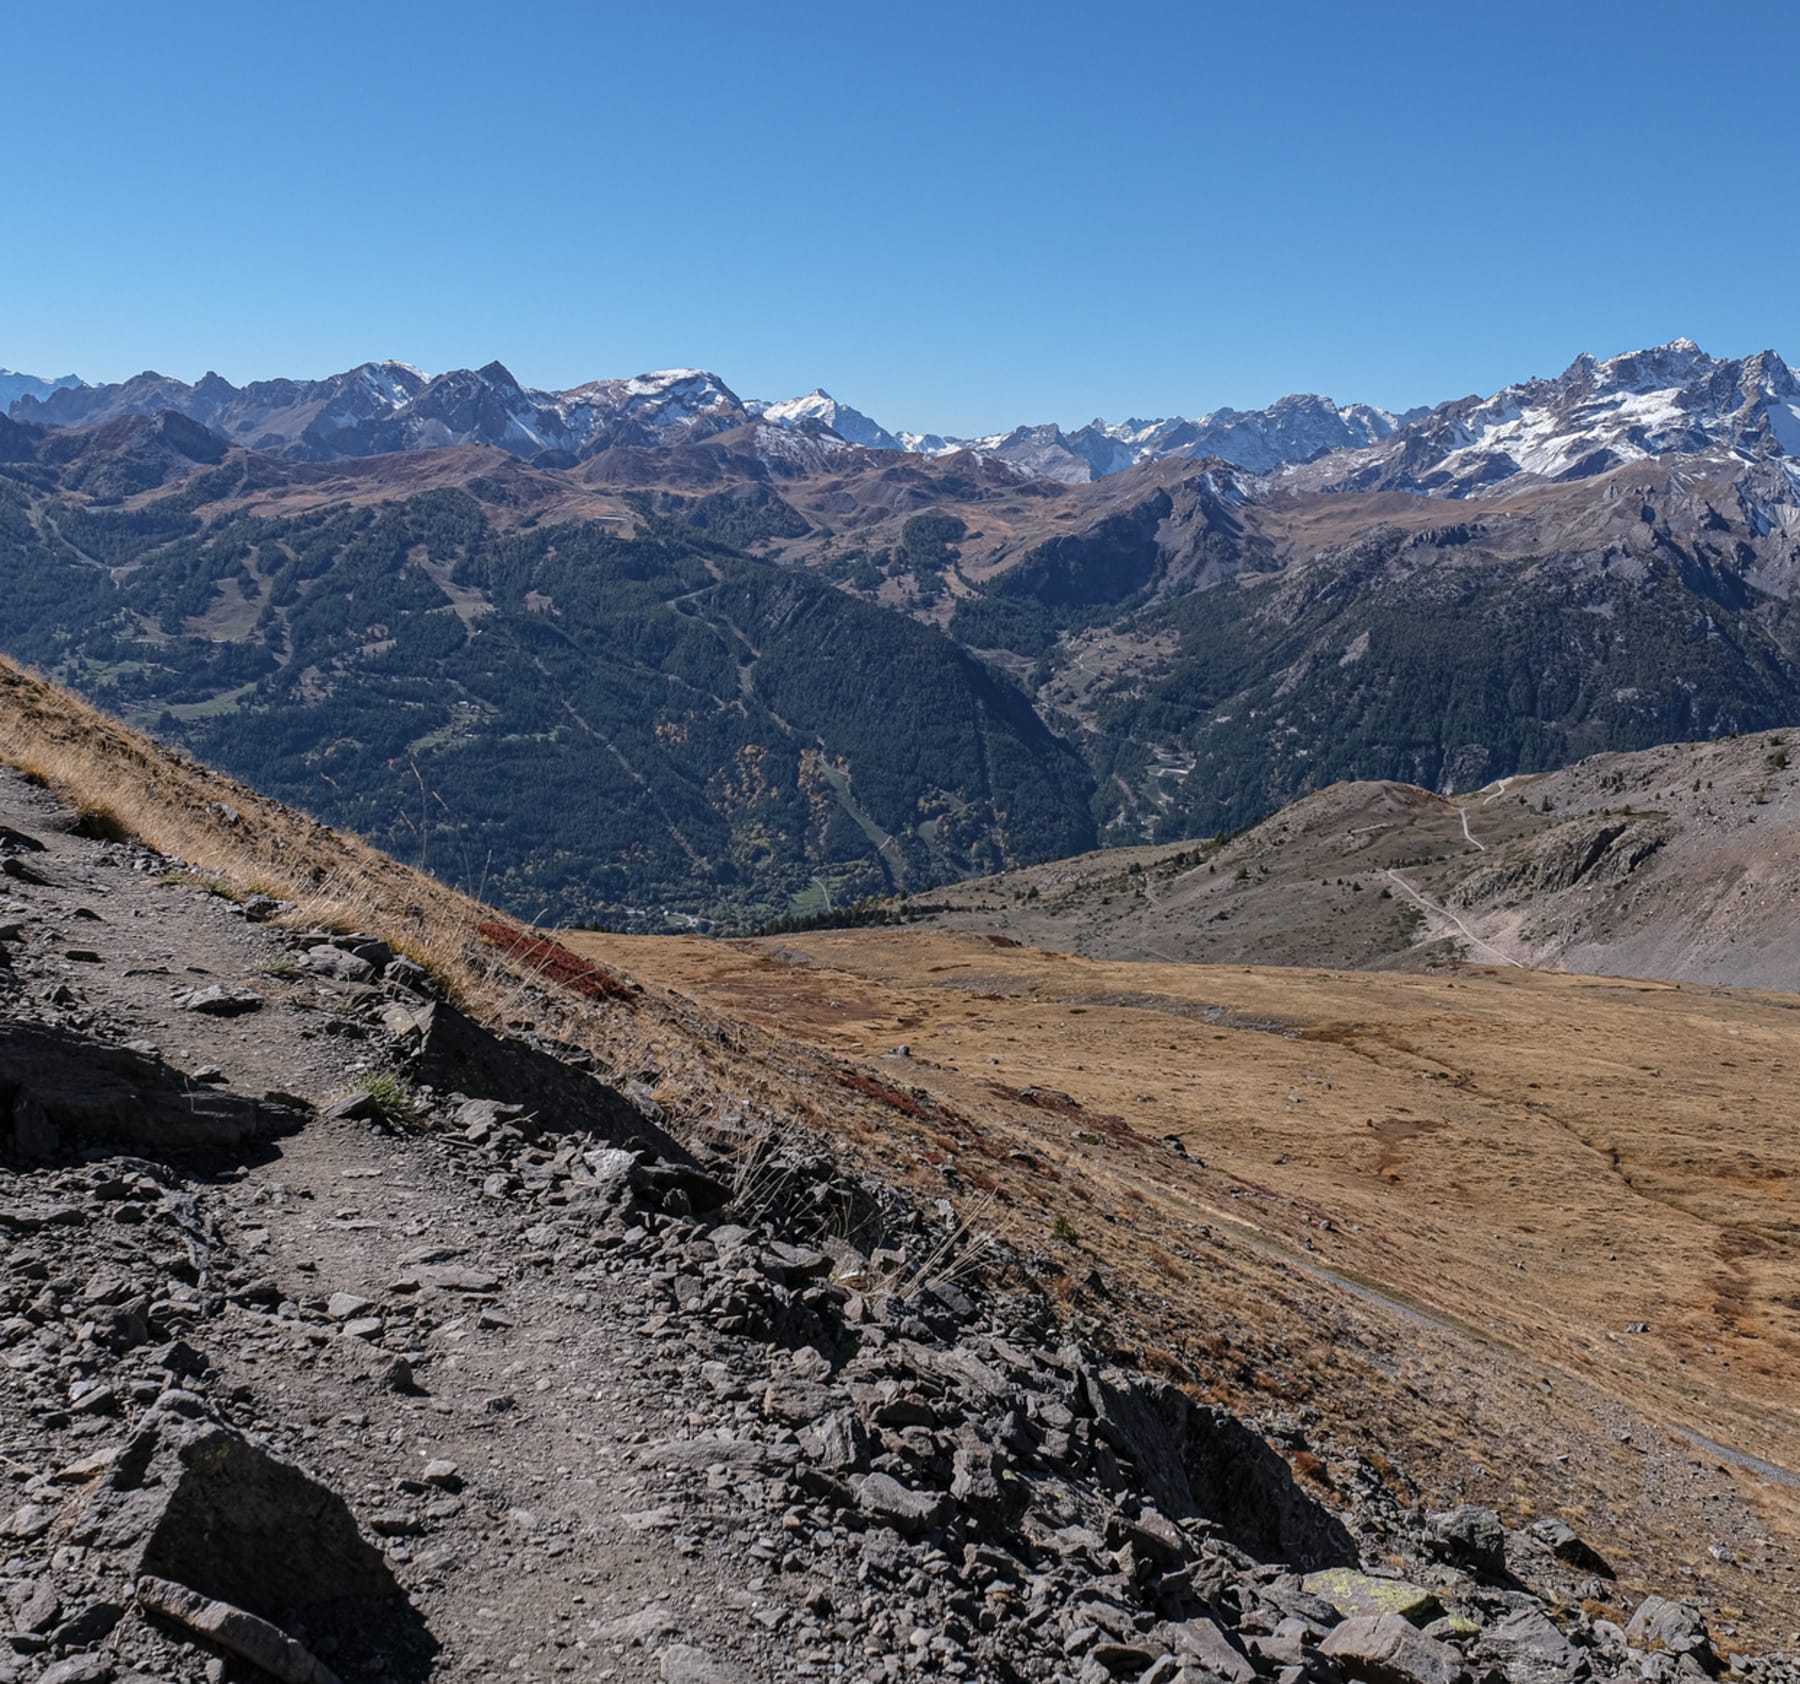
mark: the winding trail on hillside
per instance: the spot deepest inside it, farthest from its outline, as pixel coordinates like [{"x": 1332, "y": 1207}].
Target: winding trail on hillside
[
  {"x": 1444, "y": 912},
  {"x": 1468, "y": 835}
]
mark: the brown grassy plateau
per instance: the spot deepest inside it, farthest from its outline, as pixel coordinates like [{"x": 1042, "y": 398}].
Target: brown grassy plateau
[{"x": 1431, "y": 1207}]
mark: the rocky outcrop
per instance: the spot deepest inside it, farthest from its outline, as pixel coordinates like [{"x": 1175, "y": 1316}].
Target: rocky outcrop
[
  {"x": 1591, "y": 851},
  {"x": 61, "y": 1091}
]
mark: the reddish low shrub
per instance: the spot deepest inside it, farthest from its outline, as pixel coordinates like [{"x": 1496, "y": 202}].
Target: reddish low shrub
[{"x": 556, "y": 963}]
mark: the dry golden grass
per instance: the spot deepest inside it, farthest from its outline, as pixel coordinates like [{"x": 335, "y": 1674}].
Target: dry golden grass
[
  {"x": 126, "y": 784},
  {"x": 1434, "y": 1204}
]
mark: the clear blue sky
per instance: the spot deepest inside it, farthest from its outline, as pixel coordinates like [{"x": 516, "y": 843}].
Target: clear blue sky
[{"x": 956, "y": 216}]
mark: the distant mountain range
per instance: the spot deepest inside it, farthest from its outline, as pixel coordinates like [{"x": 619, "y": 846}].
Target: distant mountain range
[
  {"x": 14, "y": 386},
  {"x": 661, "y": 650},
  {"x": 1597, "y": 414}
]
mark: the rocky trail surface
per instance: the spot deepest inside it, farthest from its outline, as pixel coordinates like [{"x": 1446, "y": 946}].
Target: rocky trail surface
[{"x": 344, "y": 1337}]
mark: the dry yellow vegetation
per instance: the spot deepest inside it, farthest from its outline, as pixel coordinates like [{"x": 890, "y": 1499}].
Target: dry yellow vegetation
[{"x": 1498, "y": 1217}]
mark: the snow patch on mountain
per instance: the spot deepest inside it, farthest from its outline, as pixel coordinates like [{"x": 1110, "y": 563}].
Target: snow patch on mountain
[
  {"x": 819, "y": 405},
  {"x": 1596, "y": 415},
  {"x": 1295, "y": 429}
]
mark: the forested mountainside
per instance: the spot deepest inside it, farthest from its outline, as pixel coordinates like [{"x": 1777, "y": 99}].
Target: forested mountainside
[
  {"x": 580, "y": 721},
  {"x": 1226, "y": 656},
  {"x": 750, "y": 671}
]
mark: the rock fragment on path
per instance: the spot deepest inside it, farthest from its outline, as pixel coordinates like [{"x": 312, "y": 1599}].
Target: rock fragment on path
[{"x": 263, "y": 1645}]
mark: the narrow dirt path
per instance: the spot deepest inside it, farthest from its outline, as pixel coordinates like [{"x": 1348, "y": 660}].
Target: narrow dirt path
[
  {"x": 558, "y": 1545},
  {"x": 1445, "y": 913}
]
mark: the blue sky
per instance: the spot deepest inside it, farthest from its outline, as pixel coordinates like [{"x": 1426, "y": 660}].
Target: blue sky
[{"x": 957, "y": 217}]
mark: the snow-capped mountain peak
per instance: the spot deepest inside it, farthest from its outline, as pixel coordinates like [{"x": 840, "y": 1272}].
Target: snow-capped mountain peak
[
  {"x": 819, "y": 405},
  {"x": 1596, "y": 415}
]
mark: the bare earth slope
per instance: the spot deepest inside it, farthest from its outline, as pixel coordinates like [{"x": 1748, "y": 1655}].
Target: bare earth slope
[{"x": 1679, "y": 862}]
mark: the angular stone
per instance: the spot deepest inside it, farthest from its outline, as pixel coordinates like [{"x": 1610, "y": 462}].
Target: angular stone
[
  {"x": 1387, "y": 1649},
  {"x": 1676, "y": 1628},
  {"x": 1204, "y": 1461},
  {"x": 79, "y": 1669},
  {"x": 30, "y": 1520},
  {"x": 1201, "y": 1642},
  {"x": 799, "y": 1262},
  {"x": 1527, "y": 1648},
  {"x": 748, "y": 1454},
  {"x": 92, "y": 1624},
  {"x": 457, "y": 1055},
  {"x": 217, "y": 1000},
  {"x": 203, "y": 1508},
  {"x": 796, "y": 1402},
  {"x": 1470, "y": 1536},
  {"x": 340, "y": 966},
  {"x": 263, "y": 1645},
  {"x": 1567, "y": 1545},
  {"x": 1151, "y": 1535},
  {"x": 90, "y": 1466},
  {"x": 1356, "y": 1595},
  {"x": 884, "y": 1498},
  {"x": 40, "y": 1609},
  {"x": 447, "y": 1277},
  {"x": 682, "y": 1663},
  {"x": 838, "y": 1441}
]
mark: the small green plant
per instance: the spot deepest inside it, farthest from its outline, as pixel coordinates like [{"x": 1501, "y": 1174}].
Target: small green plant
[
  {"x": 396, "y": 1106},
  {"x": 1062, "y": 1230}
]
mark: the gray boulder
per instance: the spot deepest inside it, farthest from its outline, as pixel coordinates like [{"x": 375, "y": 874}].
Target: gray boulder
[
  {"x": 1527, "y": 1648},
  {"x": 203, "y": 1508},
  {"x": 1470, "y": 1536},
  {"x": 61, "y": 1092},
  {"x": 1662, "y": 1626},
  {"x": 882, "y": 1497},
  {"x": 1388, "y": 1649},
  {"x": 1563, "y": 1542}
]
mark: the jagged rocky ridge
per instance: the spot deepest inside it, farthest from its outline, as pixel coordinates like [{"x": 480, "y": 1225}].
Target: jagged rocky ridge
[
  {"x": 1598, "y": 414},
  {"x": 492, "y": 1367}
]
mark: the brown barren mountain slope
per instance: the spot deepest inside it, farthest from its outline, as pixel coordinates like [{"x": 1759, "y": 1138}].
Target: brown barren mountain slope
[
  {"x": 1490, "y": 1215},
  {"x": 1681, "y": 862}
]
